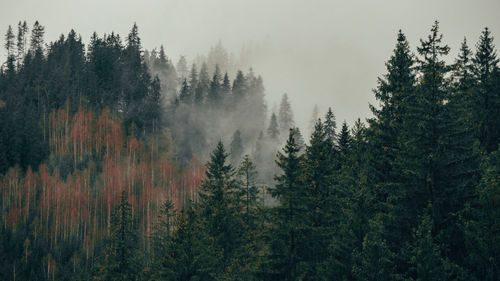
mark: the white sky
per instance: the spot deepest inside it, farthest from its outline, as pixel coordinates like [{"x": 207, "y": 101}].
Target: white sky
[{"x": 320, "y": 52}]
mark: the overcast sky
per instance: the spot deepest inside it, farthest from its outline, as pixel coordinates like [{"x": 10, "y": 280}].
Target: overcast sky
[{"x": 320, "y": 52}]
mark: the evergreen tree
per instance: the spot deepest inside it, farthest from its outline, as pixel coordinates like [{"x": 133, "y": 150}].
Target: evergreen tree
[
  {"x": 236, "y": 148},
  {"x": 37, "y": 34},
  {"x": 219, "y": 210},
  {"x": 226, "y": 90},
  {"x": 185, "y": 95},
  {"x": 285, "y": 116},
  {"x": 250, "y": 191},
  {"x": 214, "y": 95},
  {"x": 203, "y": 85},
  {"x": 22, "y": 30},
  {"x": 463, "y": 85},
  {"x": 299, "y": 138},
  {"x": 193, "y": 81},
  {"x": 354, "y": 205},
  {"x": 486, "y": 100},
  {"x": 330, "y": 125},
  {"x": 287, "y": 244},
  {"x": 323, "y": 201},
  {"x": 239, "y": 87},
  {"x": 394, "y": 91},
  {"x": 9, "y": 42},
  {"x": 273, "y": 130},
  {"x": 188, "y": 253},
  {"x": 314, "y": 118},
  {"x": 437, "y": 161},
  {"x": 375, "y": 260},
  {"x": 182, "y": 68},
  {"x": 483, "y": 223},
  {"x": 344, "y": 140},
  {"x": 120, "y": 262},
  {"x": 426, "y": 257}
]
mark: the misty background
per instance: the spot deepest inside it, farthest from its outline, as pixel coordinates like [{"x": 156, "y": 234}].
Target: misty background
[{"x": 327, "y": 53}]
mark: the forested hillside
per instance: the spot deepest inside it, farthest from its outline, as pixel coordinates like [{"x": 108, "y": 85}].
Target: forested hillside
[{"x": 117, "y": 165}]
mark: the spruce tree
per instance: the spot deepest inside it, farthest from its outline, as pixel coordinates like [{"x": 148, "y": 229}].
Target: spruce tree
[
  {"x": 182, "y": 68},
  {"x": 121, "y": 262},
  {"x": 239, "y": 87},
  {"x": 374, "y": 261},
  {"x": 394, "y": 91},
  {"x": 323, "y": 201},
  {"x": 250, "y": 191},
  {"x": 344, "y": 140},
  {"x": 219, "y": 209},
  {"x": 273, "y": 130},
  {"x": 203, "y": 85},
  {"x": 486, "y": 100},
  {"x": 9, "y": 41},
  {"x": 236, "y": 148},
  {"x": 287, "y": 244},
  {"x": 483, "y": 223},
  {"x": 226, "y": 90},
  {"x": 426, "y": 260},
  {"x": 314, "y": 119},
  {"x": 22, "y": 30},
  {"x": 185, "y": 95},
  {"x": 214, "y": 95},
  {"x": 285, "y": 116},
  {"x": 330, "y": 126},
  {"x": 37, "y": 34}
]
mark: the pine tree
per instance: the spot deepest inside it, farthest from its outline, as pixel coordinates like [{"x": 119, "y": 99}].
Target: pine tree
[
  {"x": 314, "y": 118},
  {"x": 287, "y": 243},
  {"x": 463, "y": 85},
  {"x": 120, "y": 262},
  {"x": 214, "y": 95},
  {"x": 355, "y": 205},
  {"x": 37, "y": 34},
  {"x": 483, "y": 223},
  {"x": 182, "y": 68},
  {"x": 185, "y": 95},
  {"x": 394, "y": 91},
  {"x": 249, "y": 192},
  {"x": 299, "y": 139},
  {"x": 323, "y": 200},
  {"x": 285, "y": 116},
  {"x": 193, "y": 81},
  {"x": 239, "y": 87},
  {"x": 22, "y": 30},
  {"x": 436, "y": 163},
  {"x": 426, "y": 257},
  {"x": 375, "y": 260},
  {"x": 226, "y": 90},
  {"x": 9, "y": 47},
  {"x": 344, "y": 140},
  {"x": 219, "y": 209},
  {"x": 330, "y": 126},
  {"x": 188, "y": 253},
  {"x": 273, "y": 130},
  {"x": 236, "y": 148},
  {"x": 203, "y": 85},
  {"x": 486, "y": 99},
  {"x": 9, "y": 41}
]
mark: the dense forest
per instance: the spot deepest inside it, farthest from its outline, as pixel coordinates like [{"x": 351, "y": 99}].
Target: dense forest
[{"x": 117, "y": 165}]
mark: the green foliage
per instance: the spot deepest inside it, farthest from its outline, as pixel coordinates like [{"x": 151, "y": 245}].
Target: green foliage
[
  {"x": 403, "y": 198},
  {"x": 120, "y": 259}
]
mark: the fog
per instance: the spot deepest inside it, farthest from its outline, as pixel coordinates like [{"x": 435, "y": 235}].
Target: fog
[{"x": 327, "y": 53}]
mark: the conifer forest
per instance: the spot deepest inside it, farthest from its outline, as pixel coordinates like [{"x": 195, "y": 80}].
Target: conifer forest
[{"x": 117, "y": 163}]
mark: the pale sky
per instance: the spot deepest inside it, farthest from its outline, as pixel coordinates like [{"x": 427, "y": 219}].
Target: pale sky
[{"x": 320, "y": 52}]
